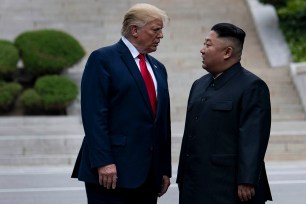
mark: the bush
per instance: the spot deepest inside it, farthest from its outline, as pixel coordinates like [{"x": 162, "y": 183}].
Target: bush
[
  {"x": 276, "y": 3},
  {"x": 8, "y": 59},
  {"x": 48, "y": 51},
  {"x": 292, "y": 20},
  {"x": 56, "y": 92},
  {"x": 8, "y": 94},
  {"x": 293, "y": 15},
  {"x": 293, "y": 24},
  {"x": 31, "y": 101}
]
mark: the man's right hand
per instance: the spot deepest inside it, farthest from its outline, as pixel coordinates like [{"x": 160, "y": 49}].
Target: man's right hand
[{"x": 108, "y": 176}]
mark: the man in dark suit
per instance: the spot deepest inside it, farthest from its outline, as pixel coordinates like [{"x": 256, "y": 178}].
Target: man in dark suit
[
  {"x": 227, "y": 128},
  {"x": 125, "y": 156}
]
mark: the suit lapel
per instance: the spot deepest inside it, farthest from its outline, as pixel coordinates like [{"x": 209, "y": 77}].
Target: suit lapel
[
  {"x": 159, "y": 83},
  {"x": 129, "y": 61}
]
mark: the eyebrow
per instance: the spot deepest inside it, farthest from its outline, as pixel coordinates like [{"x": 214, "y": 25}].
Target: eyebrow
[{"x": 208, "y": 39}]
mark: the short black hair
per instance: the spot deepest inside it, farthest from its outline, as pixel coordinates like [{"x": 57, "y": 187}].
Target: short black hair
[{"x": 229, "y": 30}]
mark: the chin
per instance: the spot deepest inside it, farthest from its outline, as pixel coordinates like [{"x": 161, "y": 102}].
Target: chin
[{"x": 153, "y": 49}]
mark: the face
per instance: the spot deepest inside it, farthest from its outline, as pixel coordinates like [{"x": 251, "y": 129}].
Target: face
[
  {"x": 148, "y": 37},
  {"x": 212, "y": 53}
]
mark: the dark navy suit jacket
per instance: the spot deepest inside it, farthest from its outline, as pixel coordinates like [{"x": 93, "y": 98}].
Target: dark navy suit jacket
[{"x": 118, "y": 121}]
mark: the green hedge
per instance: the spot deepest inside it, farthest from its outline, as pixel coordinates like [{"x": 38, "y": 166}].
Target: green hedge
[
  {"x": 48, "y": 51},
  {"x": 275, "y": 3},
  {"x": 31, "y": 101},
  {"x": 8, "y": 59},
  {"x": 8, "y": 95},
  {"x": 56, "y": 92},
  {"x": 292, "y": 21}
]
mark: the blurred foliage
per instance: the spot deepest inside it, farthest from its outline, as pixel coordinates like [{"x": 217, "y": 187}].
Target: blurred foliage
[
  {"x": 31, "y": 101},
  {"x": 8, "y": 94},
  {"x": 276, "y": 3},
  {"x": 48, "y": 51},
  {"x": 43, "y": 52},
  {"x": 56, "y": 92},
  {"x": 292, "y": 21},
  {"x": 8, "y": 59}
]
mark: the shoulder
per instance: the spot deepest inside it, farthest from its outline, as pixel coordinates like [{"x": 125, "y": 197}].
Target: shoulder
[
  {"x": 204, "y": 79},
  {"x": 251, "y": 80},
  {"x": 157, "y": 65},
  {"x": 104, "y": 51},
  {"x": 154, "y": 61}
]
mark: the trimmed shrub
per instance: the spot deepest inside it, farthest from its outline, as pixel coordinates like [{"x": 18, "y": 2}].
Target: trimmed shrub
[
  {"x": 293, "y": 24},
  {"x": 8, "y": 95},
  {"x": 276, "y": 3},
  {"x": 48, "y": 51},
  {"x": 293, "y": 15},
  {"x": 31, "y": 101},
  {"x": 56, "y": 92},
  {"x": 292, "y": 21},
  {"x": 8, "y": 59}
]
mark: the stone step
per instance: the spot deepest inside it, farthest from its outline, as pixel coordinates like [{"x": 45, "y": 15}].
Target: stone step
[
  {"x": 179, "y": 113},
  {"x": 56, "y": 145}
]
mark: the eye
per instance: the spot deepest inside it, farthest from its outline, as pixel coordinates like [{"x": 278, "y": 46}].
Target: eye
[
  {"x": 206, "y": 44},
  {"x": 156, "y": 30}
]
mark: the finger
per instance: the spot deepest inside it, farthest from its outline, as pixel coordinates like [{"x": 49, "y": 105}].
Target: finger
[
  {"x": 114, "y": 182},
  {"x": 100, "y": 180},
  {"x": 253, "y": 192},
  {"x": 109, "y": 182},
  {"x": 104, "y": 179},
  {"x": 164, "y": 188},
  {"x": 242, "y": 195}
]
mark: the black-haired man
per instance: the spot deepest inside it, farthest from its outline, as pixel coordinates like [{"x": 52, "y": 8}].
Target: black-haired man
[{"x": 227, "y": 127}]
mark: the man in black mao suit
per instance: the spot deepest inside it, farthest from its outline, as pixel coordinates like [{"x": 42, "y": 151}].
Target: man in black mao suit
[
  {"x": 125, "y": 156},
  {"x": 227, "y": 128}
]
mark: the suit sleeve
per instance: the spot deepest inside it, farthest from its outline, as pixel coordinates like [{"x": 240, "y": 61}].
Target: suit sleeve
[
  {"x": 168, "y": 163},
  {"x": 254, "y": 132},
  {"x": 95, "y": 87}
]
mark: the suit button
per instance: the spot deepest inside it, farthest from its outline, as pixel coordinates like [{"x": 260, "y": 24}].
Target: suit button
[
  {"x": 196, "y": 117},
  {"x": 190, "y": 136},
  {"x": 187, "y": 155},
  {"x": 151, "y": 148},
  {"x": 203, "y": 99}
]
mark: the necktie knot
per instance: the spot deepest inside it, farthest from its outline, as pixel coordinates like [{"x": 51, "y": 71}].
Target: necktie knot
[{"x": 141, "y": 56}]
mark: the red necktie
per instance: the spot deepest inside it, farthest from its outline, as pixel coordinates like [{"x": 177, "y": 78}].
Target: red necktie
[{"x": 148, "y": 81}]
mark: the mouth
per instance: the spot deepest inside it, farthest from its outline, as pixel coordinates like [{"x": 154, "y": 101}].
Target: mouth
[
  {"x": 203, "y": 59},
  {"x": 155, "y": 44}
]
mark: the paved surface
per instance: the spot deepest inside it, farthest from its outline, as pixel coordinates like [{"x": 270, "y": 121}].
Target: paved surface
[{"x": 43, "y": 185}]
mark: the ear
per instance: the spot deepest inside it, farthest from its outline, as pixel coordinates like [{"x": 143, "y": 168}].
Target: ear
[
  {"x": 228, "y": 52},
  {"x": 134, "y": 31}
]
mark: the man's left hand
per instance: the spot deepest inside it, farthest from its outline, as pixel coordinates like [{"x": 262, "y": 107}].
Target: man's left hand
[
  {"x": 165, "y": 185},
  {"x": 246, "y": 192}
]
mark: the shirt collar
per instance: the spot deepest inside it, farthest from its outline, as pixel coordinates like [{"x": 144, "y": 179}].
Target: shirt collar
[{"x": 131, "y": 47}]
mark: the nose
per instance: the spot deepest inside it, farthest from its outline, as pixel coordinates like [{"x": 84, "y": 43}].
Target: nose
[
  {"x": 202, "y": 51},
  {"x": 160, "y": 34}
]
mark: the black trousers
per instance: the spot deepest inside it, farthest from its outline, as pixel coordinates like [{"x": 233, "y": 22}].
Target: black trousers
[{"x": 145, "y": 194}]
